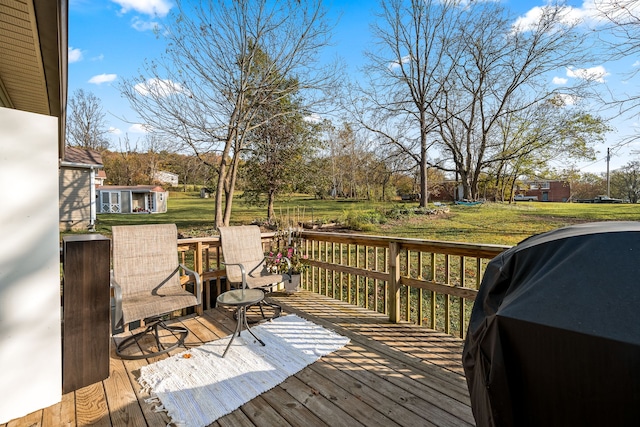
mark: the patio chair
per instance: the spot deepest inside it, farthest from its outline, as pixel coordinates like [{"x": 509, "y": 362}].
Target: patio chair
[
  {"x": 245, "y": 262},
  {"x": 146, "y": 287}
]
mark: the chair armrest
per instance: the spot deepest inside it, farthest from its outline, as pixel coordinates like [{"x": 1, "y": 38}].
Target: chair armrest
[
  {"x": 117, "y": 299},
  {"x": 242, "y": 270},
  {"x": 196, "y": 276}
]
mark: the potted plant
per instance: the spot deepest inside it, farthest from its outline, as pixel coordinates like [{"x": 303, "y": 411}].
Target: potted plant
[{"x": 288, "y": 260}]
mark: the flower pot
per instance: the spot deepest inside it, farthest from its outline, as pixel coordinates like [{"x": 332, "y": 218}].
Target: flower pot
[{"x": 292, "y": 285}]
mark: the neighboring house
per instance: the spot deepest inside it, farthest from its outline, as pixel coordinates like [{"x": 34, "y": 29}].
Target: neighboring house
[
  {"x": 33, "y": 93},
  {"x": 101, "y": 177},
  {"x": 132, "y": 199},
  {"x": 77, "y": 183},
  {"x": 167, "y": 178},
  {"x": 547, "y": 190}
]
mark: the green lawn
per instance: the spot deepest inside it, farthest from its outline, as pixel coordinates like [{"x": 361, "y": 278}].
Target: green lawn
[{"x": 487, "y": 223}]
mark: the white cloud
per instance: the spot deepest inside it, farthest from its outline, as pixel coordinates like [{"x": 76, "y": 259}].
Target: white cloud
[
  {"x": 529, "y": 20},
  {"x": 103, "y": 78},
  {"x": 564, "y": 99},
  {"x": 74, "y": 55},
  {"x": 560, "y": 81},
  {"x": 590, "y": 11},
  {"x": 98, "y": 58},
  {"x": 313, "y": 118},
  {"x": 568, "y": 16},
  {"x": 147, "y": 7},
  {"x": 159, "y": 88},
  {"x": 621, "y": 11},
  {"x": 403, "y": 60},
  {"x": 115, "y": 131},
  {"x": 596, "y": 74},
  {"x": 141, "y": 25},
  {"x": 139, "y": 128}
]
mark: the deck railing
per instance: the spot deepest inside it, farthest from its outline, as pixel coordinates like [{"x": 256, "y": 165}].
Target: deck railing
[{"x": 425, "y": 282}]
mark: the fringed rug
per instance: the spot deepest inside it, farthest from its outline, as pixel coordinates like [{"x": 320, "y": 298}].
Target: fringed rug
[{"x": 198, "y": 386}]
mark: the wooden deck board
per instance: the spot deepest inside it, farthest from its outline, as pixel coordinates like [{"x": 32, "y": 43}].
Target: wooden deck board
[
  {"x": 293, "y": 411},
  {"x": 121, "y": 397},
  {"x": 319, "y": 405},
  {"x": 389, "y": 375},
  {"x": 91, "y": 406}
]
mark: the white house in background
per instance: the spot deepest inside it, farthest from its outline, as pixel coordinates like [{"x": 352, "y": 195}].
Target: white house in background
[
  {"x": 132, "y": 199},
  {"x": 101, "y": 177},
  {"x": 78, "y": 179},
  {"x": 167, "y": 178},
  {"x": 33, "y": 94}
]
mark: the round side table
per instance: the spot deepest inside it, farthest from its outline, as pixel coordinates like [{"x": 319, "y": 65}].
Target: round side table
[{"x": 241, "y": 298}]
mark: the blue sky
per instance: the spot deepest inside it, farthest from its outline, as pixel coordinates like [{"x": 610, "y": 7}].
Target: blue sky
[{"x": 110, "y": 39}]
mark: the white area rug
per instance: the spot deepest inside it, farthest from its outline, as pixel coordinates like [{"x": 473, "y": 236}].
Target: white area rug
[{"x": 198, "y": 386}]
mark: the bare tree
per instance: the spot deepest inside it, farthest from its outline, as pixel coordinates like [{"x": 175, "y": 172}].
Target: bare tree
[
  {"x": 502, "y": 73},
  {"x": 449, "y": 74},
  {"x": 86, "y": 127},
  {"x": 621, "y": 38},
  {"x": 406, "y": 75},
  {"x": 224, "y": 62}
]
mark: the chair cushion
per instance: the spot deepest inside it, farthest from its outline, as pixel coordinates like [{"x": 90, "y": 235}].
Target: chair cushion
[
  {"x": 143, "y": 305},
  {"x": 263, "y": 279}
]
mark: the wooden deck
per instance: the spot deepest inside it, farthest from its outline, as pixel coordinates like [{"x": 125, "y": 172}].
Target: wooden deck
[{"x": 389, "y": 375}]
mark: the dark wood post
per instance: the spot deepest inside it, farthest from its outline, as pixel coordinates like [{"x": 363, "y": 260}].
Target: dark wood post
[{"x": 86, "y": 327}]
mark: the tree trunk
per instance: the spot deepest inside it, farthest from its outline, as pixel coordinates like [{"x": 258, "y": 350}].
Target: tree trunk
[
  {"x": 271, "y": 213},
  {"x": 222, "y": 176},
  {"x": 424, "y": 169},
  {"x": 232, "y": 178}
]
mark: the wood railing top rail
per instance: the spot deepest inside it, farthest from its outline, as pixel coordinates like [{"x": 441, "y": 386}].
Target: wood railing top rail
[{"x": 480, "y": 250}]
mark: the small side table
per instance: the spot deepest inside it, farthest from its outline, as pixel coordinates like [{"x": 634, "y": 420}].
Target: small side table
[{"x": 241, "y": 298}]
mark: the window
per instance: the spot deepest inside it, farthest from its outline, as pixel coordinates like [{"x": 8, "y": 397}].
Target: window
[
  {"x": 540, "y": 185},
  {"x": 110, "y": 202}
]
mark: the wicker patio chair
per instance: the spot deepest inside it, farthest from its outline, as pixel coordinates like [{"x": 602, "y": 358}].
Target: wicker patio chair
[
  {"x": 245, "y": 262},
  {"x": 146, "y": 287}
]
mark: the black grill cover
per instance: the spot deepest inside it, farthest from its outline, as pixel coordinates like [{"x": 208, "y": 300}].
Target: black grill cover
[{"x": 554, "y": 335}]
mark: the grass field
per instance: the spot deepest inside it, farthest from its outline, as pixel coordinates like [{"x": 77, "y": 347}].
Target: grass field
[{"x": 487, "y": 223}]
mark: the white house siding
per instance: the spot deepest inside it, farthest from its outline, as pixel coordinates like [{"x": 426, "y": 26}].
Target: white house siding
[
  {"x": 75, "y": 198},
  {"x": 165, "y": 177},
  {"x": 30, "y": 329}
]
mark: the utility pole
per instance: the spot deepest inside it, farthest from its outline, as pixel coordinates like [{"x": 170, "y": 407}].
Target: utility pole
[{"x": 608, "y": 181}]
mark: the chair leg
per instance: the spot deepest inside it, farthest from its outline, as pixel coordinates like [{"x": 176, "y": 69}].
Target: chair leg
[{"x": 179, "y": 333}]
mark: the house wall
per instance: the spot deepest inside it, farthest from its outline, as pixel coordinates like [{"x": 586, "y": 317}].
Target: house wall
[
  {"x": 166, "y": 178},
  {"x": 161, "y": 202},
  {"x": 30, "y": 330},
  {"x": 75, "y": 198},
  {"x": 558, "y": 191},
  {"x": 132, "y": 201}
]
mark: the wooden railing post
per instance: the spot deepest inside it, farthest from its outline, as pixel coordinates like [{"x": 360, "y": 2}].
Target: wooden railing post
[
  {"x": 197, "y": 264},
  {"x": 394, "y": 282}
]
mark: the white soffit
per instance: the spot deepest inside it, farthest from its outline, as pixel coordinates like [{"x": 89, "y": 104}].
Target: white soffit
[{"x": 23, "y": 83}]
